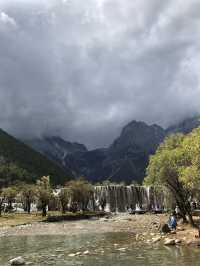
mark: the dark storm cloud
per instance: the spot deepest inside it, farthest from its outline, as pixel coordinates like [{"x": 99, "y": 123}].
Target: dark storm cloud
[{"x": 83, "y": 69}]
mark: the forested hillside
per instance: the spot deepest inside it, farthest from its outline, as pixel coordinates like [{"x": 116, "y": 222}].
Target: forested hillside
[{"x": 18, "y": 162}]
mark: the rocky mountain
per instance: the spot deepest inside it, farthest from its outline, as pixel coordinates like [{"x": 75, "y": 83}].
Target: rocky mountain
[
  {"x": 89, "y": 164},
  {"x": 126, "y": 158},
  {"x": 24, "y": 162},
  {"x": 55, "y": 148},
  {"x": 130, "y": 152},
  {"x": 138, "y": 136}
]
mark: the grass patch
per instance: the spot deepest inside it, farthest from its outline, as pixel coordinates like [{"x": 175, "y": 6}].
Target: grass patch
[{"x": 13, "y": 219}]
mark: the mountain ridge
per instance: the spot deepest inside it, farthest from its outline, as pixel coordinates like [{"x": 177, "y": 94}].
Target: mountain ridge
[
  {"x": 14, "y": 151},
  {"x": 125, "y": 159}
]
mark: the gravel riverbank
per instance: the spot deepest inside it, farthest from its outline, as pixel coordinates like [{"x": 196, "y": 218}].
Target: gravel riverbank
[
  {"x": 116, "y": 223},
  {"x": 144, "y": 228}
]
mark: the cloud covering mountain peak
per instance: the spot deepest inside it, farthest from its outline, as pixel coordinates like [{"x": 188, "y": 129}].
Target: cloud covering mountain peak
[{"x": 83, "y": 69}]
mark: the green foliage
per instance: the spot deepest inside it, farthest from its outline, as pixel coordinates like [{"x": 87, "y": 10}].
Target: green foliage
[
  {"x": 176, "y": 165},
  {"x": 28, "y": 194},
  {"x": 81, "y": 192},
  {"x": 11, "y": 172},
  {"x": 44, "y": 192},
  {"x": 19, "y": 162},
  {"x": 64, "y": 197},
  {"x": 190, "y": 172},
  {"x": 2, "y": 200},
  {"x": 108, "y": 182},
  {"x": 177, "y": 158},
  {"x": 165, "y": 164},
  {"x": 10, "y": 194}
]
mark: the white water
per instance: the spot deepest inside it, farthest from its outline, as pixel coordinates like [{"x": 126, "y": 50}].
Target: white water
[{"x": 118, "y": 198}]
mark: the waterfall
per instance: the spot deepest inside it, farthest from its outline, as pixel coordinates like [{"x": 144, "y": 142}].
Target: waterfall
[{"x": 117, "y": 198}]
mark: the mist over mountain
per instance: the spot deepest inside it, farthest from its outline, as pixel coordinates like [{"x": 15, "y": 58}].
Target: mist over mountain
[
  {"x": 184, "y": 126},
  {"x": 81, "y": 69},
  {"x": 125, "y": 159}
]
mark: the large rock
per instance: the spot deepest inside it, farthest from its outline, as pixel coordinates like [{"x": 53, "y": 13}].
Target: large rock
[
  {"x": 165, "y": 229},
  {"x": 178, "y": 241},
  {"x": 86, "y": 252},
  {"x": 169, "y": 242},
  {"x": 17, "y": 261},
  {"x": 156, "y": 239}
]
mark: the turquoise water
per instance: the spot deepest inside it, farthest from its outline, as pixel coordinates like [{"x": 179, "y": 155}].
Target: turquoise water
[{"x": 104, "y": 249}]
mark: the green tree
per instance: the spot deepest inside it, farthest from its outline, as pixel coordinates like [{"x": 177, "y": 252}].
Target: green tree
[
  {"x": 64, "y": 198},
  {"x": 166, "y": 168},
  {"x": 81, "y": 193},
  {"x": 28, "y": 193},
  {"x": 10, "y": 172},
  {"x": 44, "y": 193},
  {"x": 2, "y": 200},
  {"x": 10, "y": 194},
  {"x": 190, "y": 172}
]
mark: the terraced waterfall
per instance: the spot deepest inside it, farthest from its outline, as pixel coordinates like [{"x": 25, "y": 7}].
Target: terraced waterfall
[{"x": 117, "y": 198}]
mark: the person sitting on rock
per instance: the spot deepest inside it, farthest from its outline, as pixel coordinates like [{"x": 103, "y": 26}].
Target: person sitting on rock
[{"x": 172, "y": 221}]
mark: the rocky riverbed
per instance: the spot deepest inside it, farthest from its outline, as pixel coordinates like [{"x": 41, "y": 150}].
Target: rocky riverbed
[
  {"x": 144, "y": 228},
  {"x": 133, "y": 224},
  {"x": 113, "y": 240}
]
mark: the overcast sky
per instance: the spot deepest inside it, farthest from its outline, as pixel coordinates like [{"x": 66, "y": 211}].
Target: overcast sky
[{"x": 82, "y": 69}]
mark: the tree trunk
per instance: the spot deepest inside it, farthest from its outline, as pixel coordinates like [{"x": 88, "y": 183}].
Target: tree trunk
[
  {"x": 44, "y": 211},
  {"x": 1, "y": 205},
  {"x": 198, "y": 231},
  {"x": 189, "y": 213},
  {"x": 182, "y": 211},
  {"x": 10, "y": 205},
  {"x": 28, "y": 207},
  {"x": 181, "y": 195},
  {"x": 63, "y": 209},
  {"x": 191, "y": 221}
]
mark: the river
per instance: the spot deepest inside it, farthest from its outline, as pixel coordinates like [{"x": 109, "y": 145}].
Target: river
[{"x": 113, "y": 249}]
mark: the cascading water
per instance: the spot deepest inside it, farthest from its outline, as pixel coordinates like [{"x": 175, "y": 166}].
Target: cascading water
[{"x": 117, "y": 198}]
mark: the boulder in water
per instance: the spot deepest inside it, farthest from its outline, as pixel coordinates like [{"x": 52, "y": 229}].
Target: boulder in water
[
  {"x": 180, "y": 228},
  {"x": 86, "y": 252},
  {"x": 17, "y": 261},
  {"x": 72, "y": 255},
  {"x": 169, "y": 242},
  {"x": 156, "y": 239},
  {"x": 178, "y": 241}
]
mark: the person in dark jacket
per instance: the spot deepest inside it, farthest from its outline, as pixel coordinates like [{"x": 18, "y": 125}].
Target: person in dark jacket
[{"x": 172, "y": 221}]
